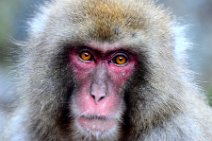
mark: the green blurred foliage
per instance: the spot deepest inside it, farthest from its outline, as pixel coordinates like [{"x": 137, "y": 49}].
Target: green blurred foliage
[{"x": 8, "y": 10}]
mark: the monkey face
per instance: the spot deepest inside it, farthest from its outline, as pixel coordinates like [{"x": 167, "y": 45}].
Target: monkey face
[{"x": 101, "y": 76}]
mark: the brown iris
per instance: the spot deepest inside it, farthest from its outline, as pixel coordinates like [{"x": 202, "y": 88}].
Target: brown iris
[
  {"x": 120, "y": 59},
  {"x": 86, "y": 56}
]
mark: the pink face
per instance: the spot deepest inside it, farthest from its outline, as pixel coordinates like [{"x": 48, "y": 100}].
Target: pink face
[{"x": 101, "y": 76}]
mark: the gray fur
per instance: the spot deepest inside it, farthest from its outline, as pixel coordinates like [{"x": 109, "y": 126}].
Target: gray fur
[{"x": 162, "y": 102}]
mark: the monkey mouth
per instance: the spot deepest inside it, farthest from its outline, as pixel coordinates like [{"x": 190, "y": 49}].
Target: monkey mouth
[{"x": 97, "y": 123}]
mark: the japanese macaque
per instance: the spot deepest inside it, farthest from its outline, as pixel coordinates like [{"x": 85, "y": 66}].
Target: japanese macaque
[{"x": 106, "y": 70}]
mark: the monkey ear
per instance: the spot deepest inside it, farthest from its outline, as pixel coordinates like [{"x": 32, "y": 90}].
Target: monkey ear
[{"x": 181, "y": 43}]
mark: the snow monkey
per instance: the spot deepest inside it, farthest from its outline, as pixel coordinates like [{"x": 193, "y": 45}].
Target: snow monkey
[{"x": 106, "y": 70}]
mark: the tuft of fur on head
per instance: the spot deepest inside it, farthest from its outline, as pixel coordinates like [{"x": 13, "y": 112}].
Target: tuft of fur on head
[
  {"x": 182, "y": 44},
  {"x": 38, "y": 23}
]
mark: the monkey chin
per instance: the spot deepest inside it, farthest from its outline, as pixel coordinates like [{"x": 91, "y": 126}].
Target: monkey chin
[{"x": 96, "y": 126}]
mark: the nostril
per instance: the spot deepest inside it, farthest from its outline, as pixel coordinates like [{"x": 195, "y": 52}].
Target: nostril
[
  {"x": 97, "y": 97},
  {"x": 101, "y": 98},
  {"x": 93, "y": 96}
]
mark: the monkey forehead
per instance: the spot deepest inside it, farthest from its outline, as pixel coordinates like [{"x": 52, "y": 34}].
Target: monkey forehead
[
  {"x": 108, "y": 19},
  {"x": 109, "y": 16}
]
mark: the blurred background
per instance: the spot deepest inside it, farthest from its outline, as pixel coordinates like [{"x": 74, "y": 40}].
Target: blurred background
[{"x": 196, "y": 13}]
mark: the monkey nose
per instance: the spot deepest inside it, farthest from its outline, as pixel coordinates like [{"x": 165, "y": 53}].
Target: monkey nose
[{"x": 98, "y": 93}]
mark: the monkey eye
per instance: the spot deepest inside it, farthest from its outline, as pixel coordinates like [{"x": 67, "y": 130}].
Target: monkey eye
[
  {"x": 86, "y": 55},
  {"x": 120, "y": 59}
]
